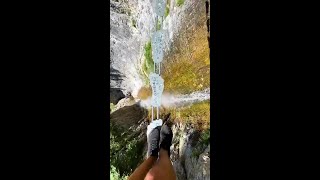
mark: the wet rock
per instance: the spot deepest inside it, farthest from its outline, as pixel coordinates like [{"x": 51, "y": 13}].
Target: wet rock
[{"x": 127, "y": 42}]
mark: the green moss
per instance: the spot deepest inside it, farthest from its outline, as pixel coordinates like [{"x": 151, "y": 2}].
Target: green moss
[
  {"x": 158, "y": 24},
  {"x": 202, "y": 143},
  {"x": 112, "y": 107},
  {"x": 148, "y": 64},
  {"x": 187, "y": 69},
  {"x": 205, "y": 137},
  {"x": 197, "y": 114},
  {"x": 167, "y": 11},
  {"x": 115, "y": 175},
  {"x": 184, "y": 77},
  {"x": 196, "y": 153},
  {"x": 179, "y": 2},
  {"x": 126, "y": 151},
  {"x": 134, "y": 23}
]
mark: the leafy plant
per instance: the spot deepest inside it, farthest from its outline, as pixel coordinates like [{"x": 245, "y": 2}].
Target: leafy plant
[
  {"x": 115, "y": 175},
  {"x": 126, "y": 151}
]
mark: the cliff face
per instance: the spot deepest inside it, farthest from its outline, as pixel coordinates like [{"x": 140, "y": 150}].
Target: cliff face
[
  {"x": 190, "y": 152},
  {"x": 185, "y": 69},
  {"x": 131, "y": 23}
]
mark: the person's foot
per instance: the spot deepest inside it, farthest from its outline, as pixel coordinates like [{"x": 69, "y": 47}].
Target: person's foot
[
  {"x": 153, "y": 142},
  {"x": 165, "y": 137}
]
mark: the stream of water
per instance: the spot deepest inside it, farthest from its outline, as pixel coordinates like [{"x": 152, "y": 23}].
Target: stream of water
[{"x": 169, "y": 100}]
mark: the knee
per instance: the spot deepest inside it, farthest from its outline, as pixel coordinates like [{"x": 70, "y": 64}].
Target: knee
[{"x": 152, "y": 174}]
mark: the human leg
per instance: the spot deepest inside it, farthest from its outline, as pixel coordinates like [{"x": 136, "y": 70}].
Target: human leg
[{"x": 163, "y": 168}]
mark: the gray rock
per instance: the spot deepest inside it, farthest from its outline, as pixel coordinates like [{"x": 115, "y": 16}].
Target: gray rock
[
  {"x": 184, "y": 147},
  {"x": 126, "y": 45},
  {"x": 127, "y": 42}
]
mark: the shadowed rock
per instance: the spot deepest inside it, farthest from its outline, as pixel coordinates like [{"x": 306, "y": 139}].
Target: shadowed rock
[{"x": 128, "y": 116}]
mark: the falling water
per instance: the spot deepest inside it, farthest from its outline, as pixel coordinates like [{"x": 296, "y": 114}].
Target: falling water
[{"x": 169, "y": 100}]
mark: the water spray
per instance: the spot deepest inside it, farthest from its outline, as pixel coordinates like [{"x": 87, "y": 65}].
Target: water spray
[{"x": 156, "y": 81}]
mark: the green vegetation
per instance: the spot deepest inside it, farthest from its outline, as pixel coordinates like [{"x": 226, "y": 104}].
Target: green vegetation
[
  {"x": 202, "y": 143},
  {"x": 148, "y": 64},
  {"x": 126, "y": 151},
  {"x": 186, "y": 70},
  {"x": 184, "y": 77},
  {"x": 196, "y": 153},
  {"x": 187, "y": 67},
  {"x": 197, "y": 114},
  {"x": 205, "y": 137},
  {"x": 112, "y": 107},
  {"x": 167, "y": 11},
  {"x": 158, "y": 24},
  {"x": 179, "y": 2},
  {"x": 114, "y": 174},
  {"x": 134, "y": 23}
]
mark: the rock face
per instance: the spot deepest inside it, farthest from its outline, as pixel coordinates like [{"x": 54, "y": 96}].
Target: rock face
[
  {"x": 127, "y": 136},
  {"x": 189, "y": 154},
  {"x": 132, "y": 23},
  {"x": 190, "y": 150},
  {"x": 183, "y": 22}
]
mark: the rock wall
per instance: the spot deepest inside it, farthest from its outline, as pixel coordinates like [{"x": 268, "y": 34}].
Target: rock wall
[
  {"x": 189, "y": 154},
  {"x": 183, "y": 23},
  {"x": 132, "y": 23}
]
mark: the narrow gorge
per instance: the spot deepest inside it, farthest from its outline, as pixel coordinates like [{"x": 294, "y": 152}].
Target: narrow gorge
[{"x": 186, "y": 74}]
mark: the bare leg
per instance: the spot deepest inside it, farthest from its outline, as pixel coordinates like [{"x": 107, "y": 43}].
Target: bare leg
[
  {"x": 143, "y": 169},
  {"x": 153, "y": 138},
  {"x": 163, "y": 168}
]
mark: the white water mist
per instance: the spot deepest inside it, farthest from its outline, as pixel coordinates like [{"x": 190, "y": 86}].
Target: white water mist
[{"x": 169, "y": 100}]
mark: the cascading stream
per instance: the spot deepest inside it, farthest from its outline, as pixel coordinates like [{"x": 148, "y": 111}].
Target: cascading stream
[
  {"x": 169, "y": 100},
  {"x": 156, "y": 81}
]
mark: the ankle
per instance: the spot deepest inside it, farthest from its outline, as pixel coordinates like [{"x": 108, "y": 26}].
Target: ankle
[{"x": 163, "y": 152}]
